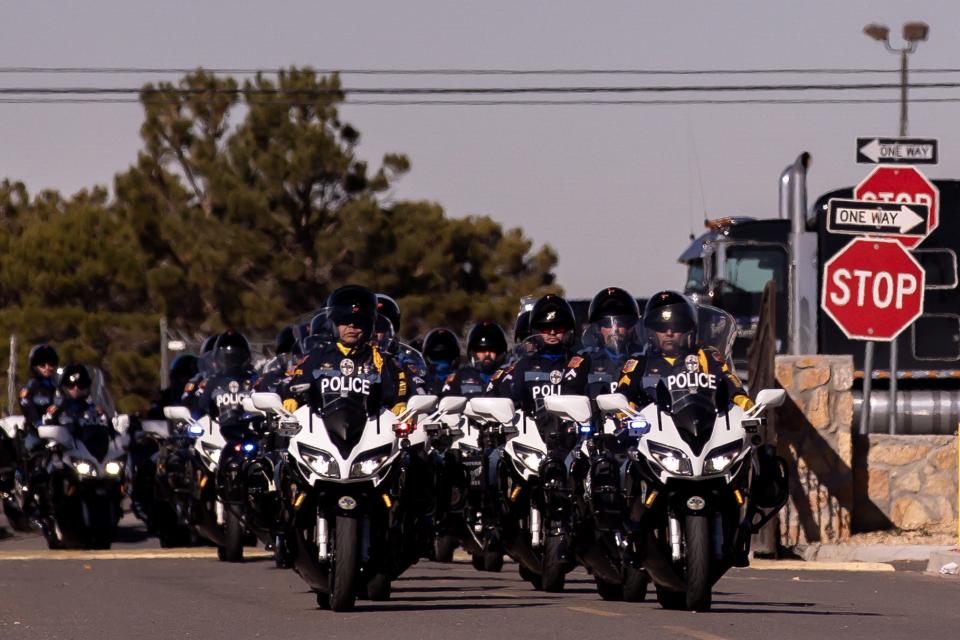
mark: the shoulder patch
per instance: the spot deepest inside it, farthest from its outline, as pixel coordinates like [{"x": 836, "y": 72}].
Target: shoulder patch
[
  {"x": 450, "y": 378},
  {"x": 24, "y": 393},
  {"x": 575, "y": 362},
  {"x": 188, "y": 388},
  {"x": 497, "y": 375},
  {"x": 630, "y": 365}
]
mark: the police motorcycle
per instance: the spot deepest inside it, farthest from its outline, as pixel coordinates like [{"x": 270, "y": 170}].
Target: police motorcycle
[
  {"x": 602, "y": 525},
  {"x": 166, "y": 513},
  {"x": 692, "y": 499},
  {"x": 13, "y": 485},
  {"x": 85, "y": 462},
  {"x": 348, "y": 489}
]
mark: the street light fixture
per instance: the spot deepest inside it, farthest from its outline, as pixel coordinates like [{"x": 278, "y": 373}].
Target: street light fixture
[
  {"x": 914, "y": 32},
  {"x": 877, "y": 31}
]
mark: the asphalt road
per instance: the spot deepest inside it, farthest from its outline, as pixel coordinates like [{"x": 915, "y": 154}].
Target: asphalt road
[{"x": 122, "y": 593}]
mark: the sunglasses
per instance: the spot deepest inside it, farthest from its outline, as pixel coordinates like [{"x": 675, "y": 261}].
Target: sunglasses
[{"x": 554, "y": 329}]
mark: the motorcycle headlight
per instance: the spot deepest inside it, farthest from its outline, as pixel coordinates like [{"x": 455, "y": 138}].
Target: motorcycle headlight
[
  {"x": 212, "y": 451},
  {"x": 321, "y": 462},
  {"x": 369, "y": 464},
  {"x": 113, "y": 468},
  {"x": 530, "y": 457},
  {"x": 84, "y": 468},
  {"x": 720, "y": 459},
  {"x": 673, "y": 460}
]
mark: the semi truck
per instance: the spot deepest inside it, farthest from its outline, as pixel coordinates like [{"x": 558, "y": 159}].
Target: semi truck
[{"x": 730, "y": 264}]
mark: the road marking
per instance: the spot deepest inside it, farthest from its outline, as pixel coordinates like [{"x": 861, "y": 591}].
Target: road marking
[
  {"x": 802, "y": 565},
  {"x": 124, "y": 554},
  {"x": 596, "y": 612},
  {"x": 693, "y": 633}
]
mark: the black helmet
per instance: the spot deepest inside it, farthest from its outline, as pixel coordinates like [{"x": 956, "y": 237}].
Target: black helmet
[
  {"x": 209, "y": 343},
  {"x": 521, "y": 328},
  {"x": 184, "y": 366},
  {"x": 552, "y": 311},
  {"x": 670, "y": 311},
  {"x": 43, "y": 354},
  {"x": 487, "y": 336},
  {"x": 613, "y": 301},
  {"x": 354, "y": 305},
  {"x": 285, "y": 340},
  {"x": 389, "y": 309},
  {"x": 76, "y": 375},
  {"x": 441, "y": 345},
  {"x": 232, "y": 352}
]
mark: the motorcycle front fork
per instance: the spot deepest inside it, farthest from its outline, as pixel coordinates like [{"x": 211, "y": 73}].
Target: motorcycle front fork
[{"x": 676, "y": 536}]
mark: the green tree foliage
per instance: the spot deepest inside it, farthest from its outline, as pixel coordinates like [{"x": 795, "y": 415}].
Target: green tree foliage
[{"x": 245, "y": 207}]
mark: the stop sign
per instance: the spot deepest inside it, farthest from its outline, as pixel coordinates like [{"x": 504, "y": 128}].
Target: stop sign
[
  {"x": 902, "y": 184},
  {"x": 873, "y": 289}
]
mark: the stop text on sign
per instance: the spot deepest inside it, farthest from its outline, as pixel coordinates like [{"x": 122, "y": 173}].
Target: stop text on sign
[
  {"x": 883, "y": 288},
  {"x": 872, "y": 288}
]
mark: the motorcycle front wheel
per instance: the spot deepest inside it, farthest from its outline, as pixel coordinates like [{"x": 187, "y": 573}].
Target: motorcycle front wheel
[
  {"x": 232, "y": 537},
  {"x": 343, "y": 594},
  {"x": 555, "y": 563},
  {"x": 697, "y": 541}
]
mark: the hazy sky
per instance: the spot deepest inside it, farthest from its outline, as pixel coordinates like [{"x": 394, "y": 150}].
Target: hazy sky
[{"x": 612, "y": 188}]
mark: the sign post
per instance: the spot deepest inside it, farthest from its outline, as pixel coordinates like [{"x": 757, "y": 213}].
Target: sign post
[{"x": 873, "y": 289}]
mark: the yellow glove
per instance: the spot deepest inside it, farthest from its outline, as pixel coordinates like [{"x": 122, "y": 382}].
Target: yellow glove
[
  {"x": 399, "y": 408},
  {"x": 744, "y": 402},
  {"x": 290, "y": 405}
]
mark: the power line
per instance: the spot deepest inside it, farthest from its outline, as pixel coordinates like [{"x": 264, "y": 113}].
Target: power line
[
  {"x": 321, "y": 91},
  {"x": 516, "y": 102},
  {"x": 462, "y": 72}
]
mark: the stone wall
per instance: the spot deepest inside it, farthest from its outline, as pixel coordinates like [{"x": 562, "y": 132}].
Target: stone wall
[
  {"x": 910, "y": 479},
  {"x": 842, "y": 483},
  {"x": 813, "y": 434}
]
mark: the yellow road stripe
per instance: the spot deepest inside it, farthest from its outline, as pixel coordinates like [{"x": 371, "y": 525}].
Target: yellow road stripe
[
  {"x": 596, "y": 612},
  {"x": 124, "y": 554},
  {"x": 693, "y": 633},
  {"x": 801, "y": 565}
]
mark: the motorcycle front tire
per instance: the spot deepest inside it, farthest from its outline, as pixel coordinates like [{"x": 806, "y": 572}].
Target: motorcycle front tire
[
  {"x": 699, "y": 584},
  {"x": 554, "y": 564},
  {"x": 232, "y": 538},
  {"x": 343, "y": 593}
]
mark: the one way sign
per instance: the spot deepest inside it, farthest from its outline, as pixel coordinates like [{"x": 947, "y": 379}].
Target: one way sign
[
  {"x": 870, "y": 217},
  {"x": 896, "y": 150}
]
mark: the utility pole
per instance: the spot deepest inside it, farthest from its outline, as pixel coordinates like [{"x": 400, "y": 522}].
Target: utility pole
[{"x": 913, "y": 32}]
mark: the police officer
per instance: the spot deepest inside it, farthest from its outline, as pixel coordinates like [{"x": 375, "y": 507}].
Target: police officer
[
  {"x": 205, "y": 369},
  {"x": 74, "y": 407},
  {"x": 521, "y": 331},
  {"x": 348, "y": 366},
  {"x": 40, "y": 391},
  {"x": 613, "y": 315},
  {"x": 275, "y": 370},
  {"x": 389, "y": 310},
  {"x": 441, "y": 351},
  {"x": 674, "y": 356},
  {"x": 486, "y": 349},
  {"x": 182, "y": 371},
  {"x": 220, "y": 396},
  {"x": 540, "y": 373}
]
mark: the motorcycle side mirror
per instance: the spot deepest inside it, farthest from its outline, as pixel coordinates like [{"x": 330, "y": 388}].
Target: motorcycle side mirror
[
  {"x": 613, "y": 403},
  {"x": 265, "y": 401},
  {"x": 664, "y": 400},
  {"x": 121, "y": 423},
  {"x": 247, "y": 403},
  {"x": 569, "y": 408},
  {"x": 11, "y": 425},
  {"x": 771, "y": 397},
  {"x": 177, "y": 413},
  {"x": 499, "y": 410},
  {"x": 452, "y": 404},
  {"x": 722, "y": 398},
  {"x": 421, "y": 404}
]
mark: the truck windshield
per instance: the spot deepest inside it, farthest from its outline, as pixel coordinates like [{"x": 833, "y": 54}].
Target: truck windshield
[
  {"x": 747, "y": 269},
  {"x": 695, "y": 277}
]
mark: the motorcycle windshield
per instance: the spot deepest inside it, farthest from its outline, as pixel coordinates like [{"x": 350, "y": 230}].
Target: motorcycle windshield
[
  {"x": 618, "y": 336},
  {"x": 100, "y": 394},
  {"x": 717, "y": 329},
  {"x": 96, "y": 437},
  {"x": 694, "y": 413}
]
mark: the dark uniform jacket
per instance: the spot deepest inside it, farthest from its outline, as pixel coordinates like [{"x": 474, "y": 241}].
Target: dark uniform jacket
[
  {"x": 592, "y": 372},
  {"x": 467, "y": 381},
  {"x": 35, "y": 398},
  {"x": 702, "y": 367}
]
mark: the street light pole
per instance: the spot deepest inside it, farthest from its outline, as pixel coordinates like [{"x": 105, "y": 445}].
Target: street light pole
[{"x": 913, "y": 32}]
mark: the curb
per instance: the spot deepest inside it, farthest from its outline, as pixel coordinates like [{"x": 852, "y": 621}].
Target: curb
[{"x": 940, "y": 558}]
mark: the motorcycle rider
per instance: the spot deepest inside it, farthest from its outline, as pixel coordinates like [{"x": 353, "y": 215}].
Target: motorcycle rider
[
  {"x": 595, "y": 370},
  {"x": 182, "y": 370},
  {"x": 345, "y": 360},
  {"x": 388, "y": 309},
  {"x": 74, "y": 406},
  {"x": 486, "y": 349},
  {"x": 275, "y": 370},
  {"x": 674, "y": 355},
  {"x": 220, "y": 395},
  {"x": 441, "y": 350},
  {"x": 40, "y": 391},
  {"x": 521, "y": 331}
]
